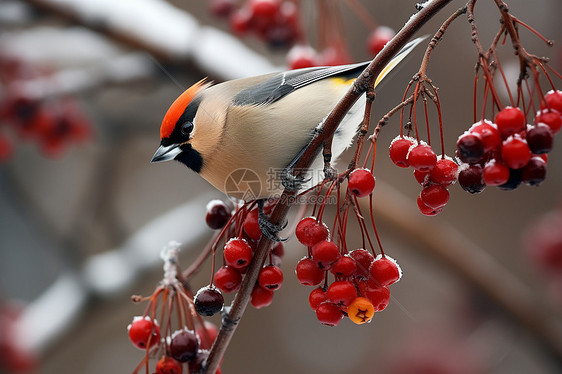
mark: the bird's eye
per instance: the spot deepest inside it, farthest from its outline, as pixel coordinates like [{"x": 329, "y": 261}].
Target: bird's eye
[{"x": 186, "y": 128}]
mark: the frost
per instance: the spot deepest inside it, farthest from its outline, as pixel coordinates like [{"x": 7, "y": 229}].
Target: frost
[
  {"x": 213, "y": 203},
  {"x": 169, "y": 255},
  {"x": 140, "y": 318}
]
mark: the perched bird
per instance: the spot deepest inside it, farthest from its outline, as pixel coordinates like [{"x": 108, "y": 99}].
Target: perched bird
[{"x": 240, "y": 135}]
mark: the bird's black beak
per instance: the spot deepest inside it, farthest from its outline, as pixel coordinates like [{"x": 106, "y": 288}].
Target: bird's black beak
[{"x": 165, "y": 153}]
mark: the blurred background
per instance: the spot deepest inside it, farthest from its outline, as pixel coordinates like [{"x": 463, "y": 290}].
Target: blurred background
[{"x": 84, "y": 214}]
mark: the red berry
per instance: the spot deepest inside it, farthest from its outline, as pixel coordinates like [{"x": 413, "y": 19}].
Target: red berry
[
  {"x": 379, "y": 296},
  {"x": 264, "y": 9},
  {"x": 399, "y": 151},
  {"x": 426, "y": 210},
  {"x": 309, "y": 231},
  {"x": 302, "y": 56},
  {"x": 227, "y": 279},
  {"x": 515, "y": 152},
  {"x": 422, "y": 176},
  {"x": 510, "y": 120},
  {"x": 534, "y": 172},
  {"x": 317, "y": 296},
  {"x": 183, "y": 345},
  {"x": 384, "y": 271},
  {"x": 325, "y": 253},
  {"x": 167, "y": 365},
  {"x": 435, "y": 196},
  {"x": 143, "y": 332},
  {"x": 251, "y": 225},
  {"x": 363, "y": 258},
  {"x": 222, "y": 8},
  {"x": 470, "y": 148},
  {"x": 550, "y": 117},
  {"x": 237, "y": 253},
  {"x": 554, "y": 100},
  {"x": 308, "y": 272},
  {"x": 217, "y": 215},
  {"x": 261, "y": 297},
  {"x": 345, "y": 267},
  {"x": 361, "y": 182},
  {"x": 329, "y": 314},
  {"x": 240, "y": 21},
  {"x": 488, "y": 134},
  {"x": 444, "y": 172},
  {"x": 342, "y": 293},
  {"x": 421, "y": 157},
  {"x": 378, "y": 39},
  {"x": 495, "y": 173},
  {"x": 470, "y": 179},
  {"x": 270, "y": 278},
  {"x": 208, "y": 301},
  {"x": 540, "y": 138}
]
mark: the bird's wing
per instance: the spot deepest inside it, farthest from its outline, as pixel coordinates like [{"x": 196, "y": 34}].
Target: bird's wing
[{"x": 283, "y": 84}]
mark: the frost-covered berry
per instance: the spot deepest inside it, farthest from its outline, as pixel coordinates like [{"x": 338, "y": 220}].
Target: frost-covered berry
[
  {"x": 510, "y": 120},
  {"x": 309, "y": 231},
  {"x": 470, "y": 179},
  {"x": 422, "y": 157},
  {"x": 227, "y": 279},
  {"x": 399, "y": 151},
  {"x": 183, "y": 345},
  {"x": 208, "y": 301},
  {"x": 308, "y": 272},
  {"x": 270, "y": 278},
  {"x": 470, "y": 148},
  {"x": 217, "y": 215},
  {"x": 384, "y": 271},
  {"x": 325, "y": 253},
  {"x": 144, "y": 332},
  {"x": 361, "y": 182},
  {"x": 237, "y": 253}
]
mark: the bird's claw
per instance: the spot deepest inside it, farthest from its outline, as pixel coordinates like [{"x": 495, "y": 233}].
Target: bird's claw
[
  {"x": 270, "y": 230},
  {"x": 292, "y": 182}
]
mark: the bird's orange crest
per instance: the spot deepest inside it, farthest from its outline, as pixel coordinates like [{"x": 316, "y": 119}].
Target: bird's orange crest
[{"x": 177, "y": 108}]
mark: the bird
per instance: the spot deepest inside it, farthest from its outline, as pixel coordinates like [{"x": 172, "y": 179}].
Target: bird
[{"x": 240, "y": 135}]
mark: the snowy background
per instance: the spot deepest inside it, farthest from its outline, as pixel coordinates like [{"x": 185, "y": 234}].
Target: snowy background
[{"x": 81, "y": 232}]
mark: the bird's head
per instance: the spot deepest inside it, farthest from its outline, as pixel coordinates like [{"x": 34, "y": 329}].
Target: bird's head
[{"x": 178, "y": 128}]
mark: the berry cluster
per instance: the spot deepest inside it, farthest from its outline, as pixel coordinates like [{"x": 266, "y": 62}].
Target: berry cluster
[
  {"x": 432, "y": 173},
  {"x": 52, "y": 124},
  {"x": 277, "y": 23},
  {"x": 244, "y": 233},
  {"x": 183, "y": 346},
  {"x": 360, "y": 286},
  {"x": 509, "y": 151},
  {"x": 274, "y": 21},
  {"x": 180, "y": 341}
]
